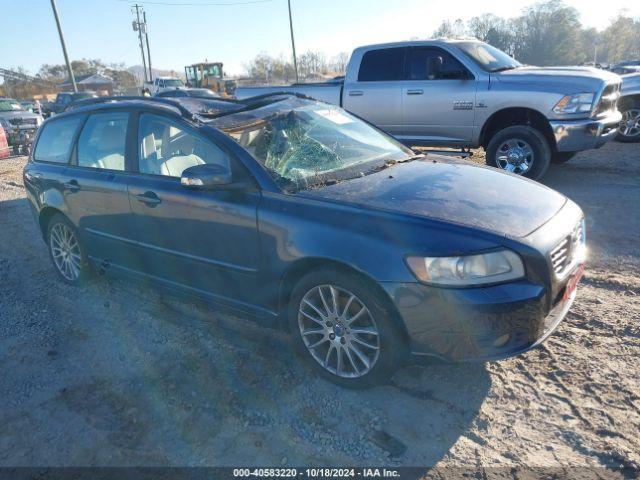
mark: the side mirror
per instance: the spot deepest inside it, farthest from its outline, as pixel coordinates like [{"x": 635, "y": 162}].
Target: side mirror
[
  {"x": 206, "y": 177},
  {"x": 434, "y": 65}
]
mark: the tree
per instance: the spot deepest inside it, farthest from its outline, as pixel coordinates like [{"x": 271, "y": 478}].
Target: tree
[
  {"x": 338, "y": 64},
  {"x": 447, "y": 29},
  {"x": 621, "y": 40}
]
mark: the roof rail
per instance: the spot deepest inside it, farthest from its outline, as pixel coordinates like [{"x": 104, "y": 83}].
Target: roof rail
[{"x": 166, "y": 101}]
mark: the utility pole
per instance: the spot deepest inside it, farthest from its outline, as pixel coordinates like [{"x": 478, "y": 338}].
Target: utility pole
[
  {"x": 64, "y": 47},
  {"x": 293, "y": 43},
  {"x": 146, "y": 37},
  {"x": 136, "y": 28}
]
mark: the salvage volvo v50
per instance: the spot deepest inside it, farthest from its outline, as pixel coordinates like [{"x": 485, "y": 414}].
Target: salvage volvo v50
[{"x": 304, "y": 216}]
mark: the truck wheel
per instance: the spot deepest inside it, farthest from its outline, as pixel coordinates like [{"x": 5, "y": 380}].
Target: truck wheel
[
  {"x": 629, "y": 128},
  {"x": 521, "y": 149},
  {"x": 562, "y": 157}
]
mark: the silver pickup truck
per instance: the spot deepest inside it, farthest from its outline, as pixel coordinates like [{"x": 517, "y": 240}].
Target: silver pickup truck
[{"x": 470, "y": 94}]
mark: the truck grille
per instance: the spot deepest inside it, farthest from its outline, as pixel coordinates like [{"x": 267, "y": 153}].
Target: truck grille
[
  {"x": 608, "y": 101},
  {"x": 568, "y": 251}
]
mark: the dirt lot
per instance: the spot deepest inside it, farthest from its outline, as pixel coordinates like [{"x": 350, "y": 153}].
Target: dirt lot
[{"x": 115, "y": 374}]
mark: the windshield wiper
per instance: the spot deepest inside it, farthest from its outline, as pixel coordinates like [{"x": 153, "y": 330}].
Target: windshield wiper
[
  {"x": 392, "y": 162},
  {"x": 502, "y": 69}
]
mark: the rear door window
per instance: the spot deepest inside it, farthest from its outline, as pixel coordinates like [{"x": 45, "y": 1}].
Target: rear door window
[
  {"x": 56, "y": 140},
  {"x": 382, "y": 65},
  {"x": 102, "y": 141}
]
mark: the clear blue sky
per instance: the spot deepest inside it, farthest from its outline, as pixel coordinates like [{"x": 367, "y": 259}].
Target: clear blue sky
[{"x": 234, "y": 34}]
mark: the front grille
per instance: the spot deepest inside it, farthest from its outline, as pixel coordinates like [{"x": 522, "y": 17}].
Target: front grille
[
  {"x": 608, "y": 101},
  {"x": 568, "y": 251}
]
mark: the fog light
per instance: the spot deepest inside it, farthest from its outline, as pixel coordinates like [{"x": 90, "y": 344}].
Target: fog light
[{"x": 500, "y": 341}]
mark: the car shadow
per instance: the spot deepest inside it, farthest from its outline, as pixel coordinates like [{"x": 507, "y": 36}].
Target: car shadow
[
  {"x": 269, "y": 406},
  {"x": 145, "y": 379}
]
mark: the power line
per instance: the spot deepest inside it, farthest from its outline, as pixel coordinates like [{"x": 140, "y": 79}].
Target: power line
[{"x": 251, "y": 2}]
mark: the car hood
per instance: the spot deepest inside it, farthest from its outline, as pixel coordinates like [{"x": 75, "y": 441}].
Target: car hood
[
  {"x": 577, "y": 78},
  {"x": 455, "y": 191},
  {"x": 18, "y": 115}
]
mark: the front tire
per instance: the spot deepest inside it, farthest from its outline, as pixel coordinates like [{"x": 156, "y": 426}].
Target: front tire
[
  {"x": 66, "y": 251},
  {"x": 629, "y": 128},
  {"x": 340, "y": 327},
  {"x": 521, "y": 149}
]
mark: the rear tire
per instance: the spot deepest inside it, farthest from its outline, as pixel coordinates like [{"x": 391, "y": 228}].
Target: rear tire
[
  {"x": 368, "y": 359},
  {"x": 66, "y": 251},
  {"x": 562, "y": 157},
  {"x": 520, "y": 149}
]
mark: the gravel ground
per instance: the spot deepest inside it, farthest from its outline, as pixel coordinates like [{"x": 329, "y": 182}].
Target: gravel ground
[{"x": 115, "y": 374}]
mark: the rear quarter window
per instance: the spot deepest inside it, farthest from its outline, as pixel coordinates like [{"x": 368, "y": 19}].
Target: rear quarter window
[{"x": 56, "y": 140}]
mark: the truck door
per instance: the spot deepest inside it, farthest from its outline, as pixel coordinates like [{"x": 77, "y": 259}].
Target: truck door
[
  {"x": 438, "y": 97},
  {"x": 376, "y": 95}
]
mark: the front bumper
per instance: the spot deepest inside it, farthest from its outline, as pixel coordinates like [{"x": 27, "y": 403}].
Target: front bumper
[
  {"x": 485, "y": 323},
  {"x": 586, "y": 134}
]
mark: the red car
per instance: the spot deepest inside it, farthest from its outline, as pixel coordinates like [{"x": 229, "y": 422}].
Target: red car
[{"x": 5, "y": 150}]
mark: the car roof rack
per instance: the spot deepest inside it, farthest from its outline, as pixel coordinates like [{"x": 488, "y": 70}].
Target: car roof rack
[{"x": 184, "y": 112}]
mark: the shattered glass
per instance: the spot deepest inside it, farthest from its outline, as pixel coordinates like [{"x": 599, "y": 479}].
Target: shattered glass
[{"x": 311, "y": 143}]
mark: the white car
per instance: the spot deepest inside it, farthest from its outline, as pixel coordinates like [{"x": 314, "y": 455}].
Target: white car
[{"x": 161, "y": 84}]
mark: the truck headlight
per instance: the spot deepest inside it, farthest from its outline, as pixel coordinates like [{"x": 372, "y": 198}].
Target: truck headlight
[
  {"x": 493, "y": 267},
  {"x": 577, "y": 103}
]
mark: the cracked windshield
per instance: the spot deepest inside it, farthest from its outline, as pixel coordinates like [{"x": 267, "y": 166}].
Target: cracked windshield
[{"x": 315, "y": 144}]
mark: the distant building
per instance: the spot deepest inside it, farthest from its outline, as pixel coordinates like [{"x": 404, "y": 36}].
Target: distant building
[{"x": 95, "y": 82}]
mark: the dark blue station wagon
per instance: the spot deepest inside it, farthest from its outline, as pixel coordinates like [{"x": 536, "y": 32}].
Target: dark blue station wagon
[{"x": 303, "y": 216}]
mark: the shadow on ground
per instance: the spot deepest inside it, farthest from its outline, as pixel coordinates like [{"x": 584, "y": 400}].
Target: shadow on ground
[{"x": 116, "y": 373}]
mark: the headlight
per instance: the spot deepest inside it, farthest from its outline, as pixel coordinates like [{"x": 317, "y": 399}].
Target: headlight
[
  {"x": 578, "y": 103},
  {"x": 493, "y": 267}
]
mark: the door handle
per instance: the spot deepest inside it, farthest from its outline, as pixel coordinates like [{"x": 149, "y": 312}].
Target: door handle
[
  {"x": 72, "y": 186},
  {"x": 356, "y": 93},
  {"x": 149, "y": 198},
  {"x": 415, "y": 92}
]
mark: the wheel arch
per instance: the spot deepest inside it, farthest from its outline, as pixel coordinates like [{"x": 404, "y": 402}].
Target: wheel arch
[
  {"x": 301, "y": 267},
  {"x": 510, "y": 117},
  {"x": 629, "y": 100},
  {"x": 45, "y": 216}
]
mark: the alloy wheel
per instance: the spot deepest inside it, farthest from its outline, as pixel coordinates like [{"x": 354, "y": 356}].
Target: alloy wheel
[
  {"x": 339, "y": 331},
  {"x": 630, "y": 123},
  {"x": 65, "y": 250},
  {"x": 515, "y": 156}
]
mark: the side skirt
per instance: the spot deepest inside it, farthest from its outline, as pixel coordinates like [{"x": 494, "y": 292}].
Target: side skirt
[{"x": 263, "y": 316}]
